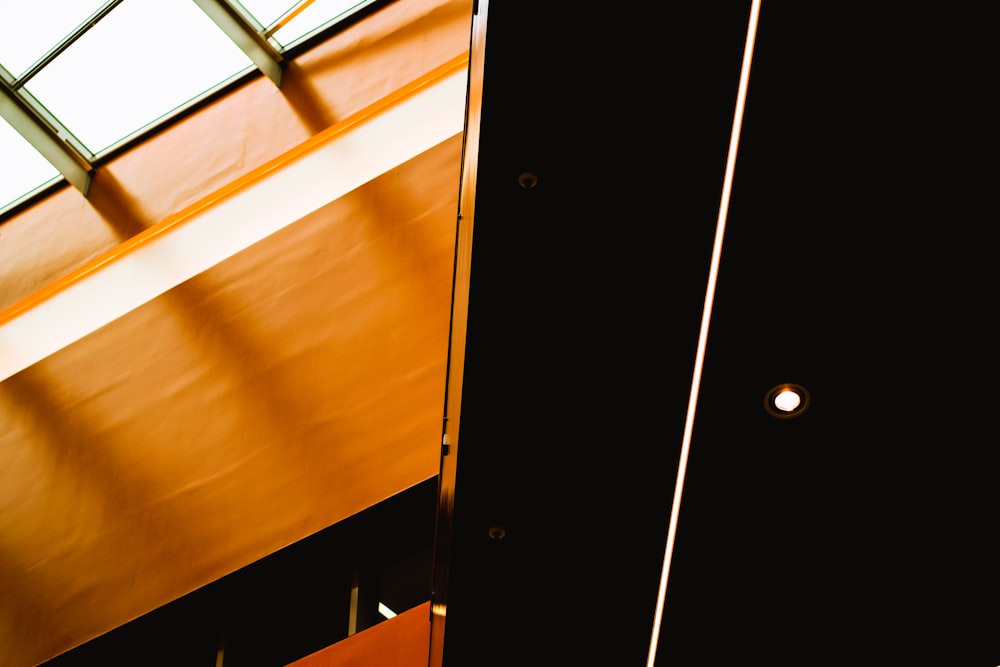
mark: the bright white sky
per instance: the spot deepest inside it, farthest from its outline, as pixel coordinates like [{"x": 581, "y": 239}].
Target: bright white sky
[{"x": 136, "y": 66}]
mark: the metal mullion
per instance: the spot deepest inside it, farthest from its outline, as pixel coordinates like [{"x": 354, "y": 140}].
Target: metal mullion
[
  {"x": 66, "y": 42},
  {"x": 245, "y": 35},
  {"x": 40, "y": 129},
  {"x": 55, "y": 126}
]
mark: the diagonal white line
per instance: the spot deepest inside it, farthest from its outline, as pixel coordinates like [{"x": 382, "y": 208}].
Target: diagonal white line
[{"x": 706, "y": 317}]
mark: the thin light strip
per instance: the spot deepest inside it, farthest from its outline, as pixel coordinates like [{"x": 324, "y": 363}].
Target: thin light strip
[
  {"x": 347, "y": 155},
  {"x": 706, "y": 317}
]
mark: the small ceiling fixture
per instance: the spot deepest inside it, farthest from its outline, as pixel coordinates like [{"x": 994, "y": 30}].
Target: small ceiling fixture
[{"x": 786, "y": 401}]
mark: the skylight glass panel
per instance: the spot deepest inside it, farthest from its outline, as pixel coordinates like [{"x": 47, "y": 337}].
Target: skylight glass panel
[
  {"x": 315, "y": 16},
  {"x": 22, "y": 169},
  {"x": 31, "y": 28},
  {"x": 268, "y": 11},
  {"x": 146, "y": 60}
]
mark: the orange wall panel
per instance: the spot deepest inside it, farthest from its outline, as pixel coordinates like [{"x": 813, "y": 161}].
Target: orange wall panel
[
  {"x": 283, "y": 390},
  {"x": 202, "y": 152},
  {"x": 403, "y": 641}
]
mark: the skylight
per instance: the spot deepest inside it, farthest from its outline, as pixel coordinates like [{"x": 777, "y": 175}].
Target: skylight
[
  {"x": 103, "y": 95},
  {"x": 32, "y": 28},
  {"x": 22, "y": 168},
  {"x": 79, "y": 78},
  {"x": 288, "y": 24}
]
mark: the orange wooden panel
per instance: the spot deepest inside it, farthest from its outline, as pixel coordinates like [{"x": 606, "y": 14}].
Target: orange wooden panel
[
  {"x": 228, "y": 138},
  {"x": 283, "y": 390},
  {"x": 403, "y": 641}
]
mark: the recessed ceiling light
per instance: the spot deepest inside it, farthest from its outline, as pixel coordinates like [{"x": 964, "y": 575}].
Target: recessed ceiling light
[{"x": 786, "y": 401}]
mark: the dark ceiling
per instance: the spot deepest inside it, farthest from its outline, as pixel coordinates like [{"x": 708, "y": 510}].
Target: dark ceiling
[{"x": 856, "y": 263}]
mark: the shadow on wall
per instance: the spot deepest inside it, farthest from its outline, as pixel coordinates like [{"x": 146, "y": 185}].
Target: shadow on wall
[{"x": 319, "y": 591}]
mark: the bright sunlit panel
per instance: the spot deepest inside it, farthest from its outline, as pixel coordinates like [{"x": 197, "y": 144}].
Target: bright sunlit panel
[
  {"x": 130, "y": 66},
  {"x": 394, "y": 130},
  {"x": 139, "y": 64},
  {"x": 30, "y": 29},
  {"x": 22, "y": 168}
]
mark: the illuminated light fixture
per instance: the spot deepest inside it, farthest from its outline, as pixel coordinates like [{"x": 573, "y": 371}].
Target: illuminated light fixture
[
  {"x": 786, "y": 401},
  {"x": 385, "y": 611},
  {"x": 720, "y": 228}
]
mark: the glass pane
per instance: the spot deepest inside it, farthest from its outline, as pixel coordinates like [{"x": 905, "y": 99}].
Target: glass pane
[
  {"x": 146, "y": 59},
  {"x": 22, "y": 169},
  {"x": 267, "y": 11},
  {"x": 310, "y": 20},
  {"x": 30, "y": 29}
]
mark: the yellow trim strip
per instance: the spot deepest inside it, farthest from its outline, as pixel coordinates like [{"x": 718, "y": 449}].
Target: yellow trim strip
[{"x": 283, "y": 21}]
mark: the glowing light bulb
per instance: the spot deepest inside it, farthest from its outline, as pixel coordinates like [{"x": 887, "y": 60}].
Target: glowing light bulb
[{"x": 787, "y": 400}]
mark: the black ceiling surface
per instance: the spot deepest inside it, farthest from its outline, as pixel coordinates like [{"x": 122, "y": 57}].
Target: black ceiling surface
[{"x": 856, "y": 263}]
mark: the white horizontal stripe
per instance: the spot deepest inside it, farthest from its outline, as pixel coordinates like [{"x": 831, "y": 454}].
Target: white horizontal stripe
[{"x": 274, "y": 201}]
